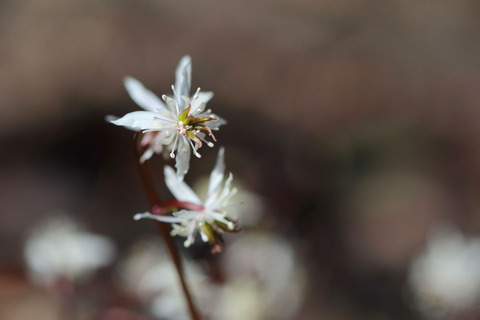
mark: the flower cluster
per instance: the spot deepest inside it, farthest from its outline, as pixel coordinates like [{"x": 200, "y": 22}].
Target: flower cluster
[{"x": 179, "y": 125}]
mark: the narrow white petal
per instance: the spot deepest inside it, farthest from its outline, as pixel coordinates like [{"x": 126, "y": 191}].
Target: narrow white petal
[
  {"x": 192, "y": 231},
  {"x": 214, "y": 125},
  {"x": 147, "y": 215},
  {"x": 172, "y": 105},
  {"x": 200, "y": 101},
  {"x": 142, "y": 96},
  {"x": 182, "y": 160},
  {"x": 180, "y": 190},
  {"x": 178, "y": 230},
  {"x": 226, "y": 192},
  {"x": 216, "y": 178},
  {"x": 142, "y": 120},
  {"x": 186, "y": 214},
  {"x": 226, "y": 199},
  {"x": 113, "y": 119},
  {"x": 162, "y": 138},
  {"x": 183, "y": 75},
  {"x": 147, "y": 154},
  {"x": 110, "y": 118}
]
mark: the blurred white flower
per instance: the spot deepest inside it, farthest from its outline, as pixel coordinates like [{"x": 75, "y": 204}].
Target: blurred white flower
[
  {"x": 174, "y": 124},
  {"x": 209, "y": 217},
  {"x": 240, "y": 299},
  {"x": 60, "y": 249},
  {"x": 445, "y": 278},
  {"x": 264, "y": 278},
  {"x": 149, "y": 273}
]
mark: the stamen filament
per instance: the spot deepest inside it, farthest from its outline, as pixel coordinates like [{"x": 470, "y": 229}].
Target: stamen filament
[
  {"x": 172, "y": 154},
  {"x": 194, "y": 150},
  {"x": 210, "y": 144}
]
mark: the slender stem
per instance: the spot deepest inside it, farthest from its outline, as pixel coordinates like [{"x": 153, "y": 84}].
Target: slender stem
[
  {"x": 163, "y": 228},
  {"x": 64, "y": 290}
]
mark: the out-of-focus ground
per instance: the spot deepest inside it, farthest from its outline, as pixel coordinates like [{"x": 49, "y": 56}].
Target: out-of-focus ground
[{"x": 356, "y": 122}]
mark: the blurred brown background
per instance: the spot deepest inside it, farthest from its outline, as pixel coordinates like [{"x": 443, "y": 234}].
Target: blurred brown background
[{"x": 357, "y": 122}]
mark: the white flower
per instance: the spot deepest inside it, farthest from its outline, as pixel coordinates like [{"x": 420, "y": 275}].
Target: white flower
[
  {"x": 445, "y": 278},
  {"x": 265, "y": 279},
  {"x": 208, "y": 217},
  {"x": 174, "y": 124},
  {"x": 60, "y": 249}
]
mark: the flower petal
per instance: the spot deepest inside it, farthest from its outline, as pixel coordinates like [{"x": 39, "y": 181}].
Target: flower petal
[
  {"x": 143, "y": 120},
  {"x": 183, "y": 76},
  {"x": 180, "y": 190},
  {"x": 186, "y": 214},
  {"x": 179, "y": 230},
  {"x": 147, "y": 154},
  {"x": 201, "y": 99},
  {"x": 191, "y": 233},
  {"x": 172, "y": 106},
  {"x": 148, "y": 215},
  {"x": 216, "y": 178},
  {"x": 227, "y": 192},
  {"x": 182, "y": 158},
  {"x": 214, "y": 125},
  {"x": 144, "y": 97}
]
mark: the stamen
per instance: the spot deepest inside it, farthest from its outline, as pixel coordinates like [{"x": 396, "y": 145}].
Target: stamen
[
  {"x": 181, "y": 128},
  {"x": 210, "y": 144},
  {"x": 203, "y": 236},
  {"x": 210, "y": 133},
  {"x": 194, "y": 150},
  {"x": 172, "y": 154}
]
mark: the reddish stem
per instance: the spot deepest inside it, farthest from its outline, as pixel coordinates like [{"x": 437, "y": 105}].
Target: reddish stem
[
  {"x": 163, "y": 228},
  {"x": 166, "y": 206}
]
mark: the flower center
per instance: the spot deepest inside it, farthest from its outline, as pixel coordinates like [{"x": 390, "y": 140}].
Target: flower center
[
  {"x": 183, "y": 129},
  {"x": 194, "y": 128}
]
